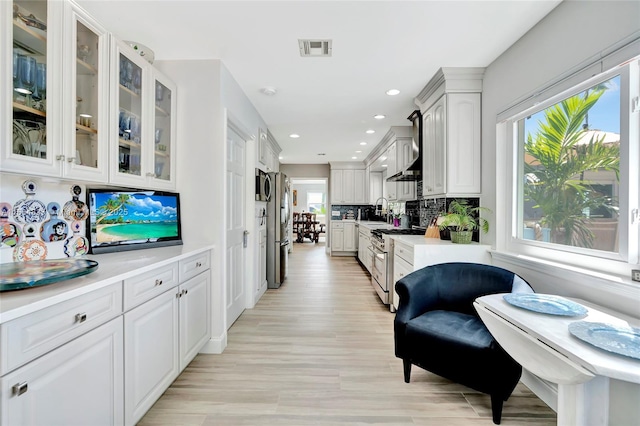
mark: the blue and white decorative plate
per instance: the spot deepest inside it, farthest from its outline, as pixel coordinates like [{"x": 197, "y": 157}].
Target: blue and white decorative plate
[
  {"x": 545, "y": 304},
  {"x": 621, "y": 340}
]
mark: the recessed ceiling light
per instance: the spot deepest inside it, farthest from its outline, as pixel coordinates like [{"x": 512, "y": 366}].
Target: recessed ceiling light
[
  {"x": 280, "y": 158},
  {"x": 294, "y": 135},
  {"x": 363, "y": 143},
  {"x": 370, "y": 131},
  {"x": 383, "y": 159},
  {"x": 379, "y": 116},
  {"x": 269, "y": 91},
  {"x": 354, "y": 158},
  {"x": 392, "y": 92},
  {"x": 358, "y": 152},
  {"x": 384, "y": 165}
]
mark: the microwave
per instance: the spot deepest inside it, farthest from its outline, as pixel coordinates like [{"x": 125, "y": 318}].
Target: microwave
[{"x": 263, "y": 186}]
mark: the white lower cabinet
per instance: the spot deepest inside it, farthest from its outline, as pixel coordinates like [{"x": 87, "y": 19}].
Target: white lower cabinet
[
  {"x": 151, "y": 353},
  {"x": 337, "y": 237},
  {"x": 344, "y": 238},
  {"x": 195, "y": 319},
  {"x": 161, "y": 337},
  {"x": 80, "y": 383}
]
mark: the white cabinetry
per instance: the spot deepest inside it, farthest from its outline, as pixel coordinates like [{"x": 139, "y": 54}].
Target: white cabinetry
[
  {"x": 348, "y": 183},
  {"x": 375, "y": 187},
  {"x": 405, "y": 190},
  {"x": 79, "y": 383},
  {"x": 364, "y": 252},
  {"x": 163, "y": 334},
  {"x": 344, "y": 238},
  {"x": 392, "y": 168},
  {"x": 451, "y": 110},
  {"x": 142, "y": 122},
  {"x": 268, "y": 152},
  {"x": 55, "y": 116}
]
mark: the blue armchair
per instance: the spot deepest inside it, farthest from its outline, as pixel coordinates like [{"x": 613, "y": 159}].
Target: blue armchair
[{"x": 437, "y": 328}]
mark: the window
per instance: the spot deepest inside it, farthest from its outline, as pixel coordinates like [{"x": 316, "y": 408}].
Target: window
[
  {"x": 575, "y": 173},
  {"x": 315, "y": 202}
]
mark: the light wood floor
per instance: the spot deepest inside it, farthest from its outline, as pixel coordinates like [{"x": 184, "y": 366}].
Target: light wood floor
[{"x": 319, "y": 351}]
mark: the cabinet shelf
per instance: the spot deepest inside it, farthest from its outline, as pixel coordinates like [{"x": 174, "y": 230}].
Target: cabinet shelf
[
  {"x": 128, "y": 91},
  {"x": 161, "y": 112},
  {"x": 29, "y": 38},
  {"x": 164, "y": 154},
  {"x": 24, "y": 108},
  {"x": 85, "y": 130},
  {"x": 84, "y": 68},
  {"x": 128, "y": 144}
]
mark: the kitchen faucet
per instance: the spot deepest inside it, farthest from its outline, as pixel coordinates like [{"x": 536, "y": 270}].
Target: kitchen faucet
[{"x": 379, "y": 212}]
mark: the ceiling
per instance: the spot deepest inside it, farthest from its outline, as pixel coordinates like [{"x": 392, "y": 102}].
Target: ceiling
[{"x": 329, "y": 101}]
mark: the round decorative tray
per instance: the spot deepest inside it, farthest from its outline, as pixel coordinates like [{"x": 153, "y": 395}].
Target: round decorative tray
[{"x": 19, "y": 275}]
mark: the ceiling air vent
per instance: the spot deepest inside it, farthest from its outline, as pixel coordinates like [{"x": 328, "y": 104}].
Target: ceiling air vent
[{"x": 314, "y": 48}]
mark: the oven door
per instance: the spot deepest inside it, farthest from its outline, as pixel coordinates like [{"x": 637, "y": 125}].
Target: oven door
[{"x": 379, "y": 275}]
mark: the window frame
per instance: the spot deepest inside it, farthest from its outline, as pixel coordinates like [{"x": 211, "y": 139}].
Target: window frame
[{"x": 508, "y": 130}]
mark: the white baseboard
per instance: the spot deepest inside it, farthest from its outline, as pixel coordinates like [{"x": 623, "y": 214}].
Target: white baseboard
[{"x": 215, "y": 345}]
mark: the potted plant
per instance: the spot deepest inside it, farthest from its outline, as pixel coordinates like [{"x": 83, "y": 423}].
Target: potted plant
[{"x": 462, "y": 220}]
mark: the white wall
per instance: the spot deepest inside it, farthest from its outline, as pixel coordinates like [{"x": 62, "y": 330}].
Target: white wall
[{"x": 528, "y": 65}]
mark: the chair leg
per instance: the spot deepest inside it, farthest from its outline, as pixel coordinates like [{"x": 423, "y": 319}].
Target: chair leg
[
  {"x": 496, "y": 408},
  {"x": 407, "y": 370}
]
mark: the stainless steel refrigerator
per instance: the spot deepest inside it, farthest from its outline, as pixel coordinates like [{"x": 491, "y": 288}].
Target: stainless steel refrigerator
[{"x": 278, "y": 219}]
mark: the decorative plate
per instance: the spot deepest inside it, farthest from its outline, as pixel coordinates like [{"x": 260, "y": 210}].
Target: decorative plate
[
  {"x": 14, "y": 276},
  {"x": 75, "y": 209},
  {"x": 545, "y": 304},
  {"x": 29, "y": 210},
  {"x": 54, "y": 229},
  {"x": 31, "y": 248},
  {"x": 10, "y": 233},
  {"x": 621, "y": 340}
]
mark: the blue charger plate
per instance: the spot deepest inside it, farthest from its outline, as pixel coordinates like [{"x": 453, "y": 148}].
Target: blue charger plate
[
  {"x": 617, "y": 339},
  {"x": 545, "y": 304}
]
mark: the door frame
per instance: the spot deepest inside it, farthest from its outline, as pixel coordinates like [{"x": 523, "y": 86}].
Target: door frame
[{"x": 233, "y": 123}]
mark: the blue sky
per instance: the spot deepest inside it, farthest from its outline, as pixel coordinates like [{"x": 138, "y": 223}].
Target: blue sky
[
  {"x": 144, "y": 207},
  {"x": 604, "y": 115}
]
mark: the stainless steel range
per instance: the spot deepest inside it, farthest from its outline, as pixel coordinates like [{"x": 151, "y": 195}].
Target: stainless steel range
[{"x": 382, "y": 270}]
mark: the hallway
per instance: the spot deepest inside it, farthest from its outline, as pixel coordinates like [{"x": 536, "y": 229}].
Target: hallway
[{"x": 319, "y": 351}]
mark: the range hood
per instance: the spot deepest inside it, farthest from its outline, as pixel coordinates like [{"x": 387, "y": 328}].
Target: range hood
[{"x": 413, "y": 171}]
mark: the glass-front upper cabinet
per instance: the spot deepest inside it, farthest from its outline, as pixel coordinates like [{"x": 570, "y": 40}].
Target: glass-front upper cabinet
[
  {"x": 30, "y": 30},
  {"x": 130, "y": 82},
  {"x": 163, "y": 172},
  {"x": 143, "y": 122},
  {"x": 86, "y": 137}
]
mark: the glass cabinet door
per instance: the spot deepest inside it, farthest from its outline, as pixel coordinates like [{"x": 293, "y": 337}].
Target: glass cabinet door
[
  {"x": 131, "y": 93},
  {"x": 164, "y": 116},
  {"x": 87, "y": 141},
  {"x": 29, "y": 94}
]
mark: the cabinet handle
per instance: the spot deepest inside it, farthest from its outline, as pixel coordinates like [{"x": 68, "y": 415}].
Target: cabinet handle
[
  {"x": 20, "y": 388},
  {"x": 158, "y": 282},
  {"x": 186, "y": 291},
  {"x": 60, "y": 157},
  {"x": 198, "y": 264},
  {"x": 71, "y": 159},
  {"x": 81, "y": 317},
  {"x": 178, "y": 295}
]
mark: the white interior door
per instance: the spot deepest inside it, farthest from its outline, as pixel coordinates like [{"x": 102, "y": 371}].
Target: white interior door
[{"x": 235, "y": 226}]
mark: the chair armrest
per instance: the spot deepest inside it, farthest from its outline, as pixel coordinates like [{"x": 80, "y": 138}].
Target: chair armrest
[{"x": 418, "y": 294}]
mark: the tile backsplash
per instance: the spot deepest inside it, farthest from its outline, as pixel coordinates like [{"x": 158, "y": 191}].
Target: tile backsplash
[{"x": 59, "y": 237}]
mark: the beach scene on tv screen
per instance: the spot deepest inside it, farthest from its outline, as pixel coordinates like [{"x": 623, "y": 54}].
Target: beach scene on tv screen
[{"x": 121, "y": 217}]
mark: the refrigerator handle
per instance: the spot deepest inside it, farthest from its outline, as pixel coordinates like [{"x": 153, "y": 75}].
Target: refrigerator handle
[{"x": 245, "y": 238}]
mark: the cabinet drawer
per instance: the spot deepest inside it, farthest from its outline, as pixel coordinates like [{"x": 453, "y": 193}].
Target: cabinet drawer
[
  {"x": 337, "y": 225},
  {"x": 192, "y": 266},
  {"x": 401, "y": 269},
  {"x": 404, "y": 251},
  {"x": 30, "y": 336},
  {"x": 146, "y": 286}
]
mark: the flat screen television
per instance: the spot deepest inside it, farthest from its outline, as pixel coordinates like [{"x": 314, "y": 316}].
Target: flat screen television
[{"x": 132, "y": 219}]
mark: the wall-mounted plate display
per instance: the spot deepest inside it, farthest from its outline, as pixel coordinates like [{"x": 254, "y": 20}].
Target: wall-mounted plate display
[
  {"x": 54, "y": 229},
  {"x": 19, "y": 275},
  {"x": 10, "y": 233},
  {"x": 31, "y": 248},
  {"x": 29, "y": 210}
]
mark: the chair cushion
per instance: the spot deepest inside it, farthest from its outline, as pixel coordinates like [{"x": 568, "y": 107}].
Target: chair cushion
[{"x": 451, "y": 327}]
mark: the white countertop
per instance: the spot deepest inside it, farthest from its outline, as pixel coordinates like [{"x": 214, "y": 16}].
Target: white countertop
[
  {"x": 112, "y": 267},
  {"x": 420, "y": 240},
  {"x": 553, "y": 331}
]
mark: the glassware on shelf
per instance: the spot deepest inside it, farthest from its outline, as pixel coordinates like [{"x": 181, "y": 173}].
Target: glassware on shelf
[
  {"x": 83, "y": 52},
  {"x": 158, "y": 135},
  {"x": 29, "y": 137},
  {"x": 124, "y": 124},
  {"x": 159, "y": 93},
  {"x": 40, "y": 92}
]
